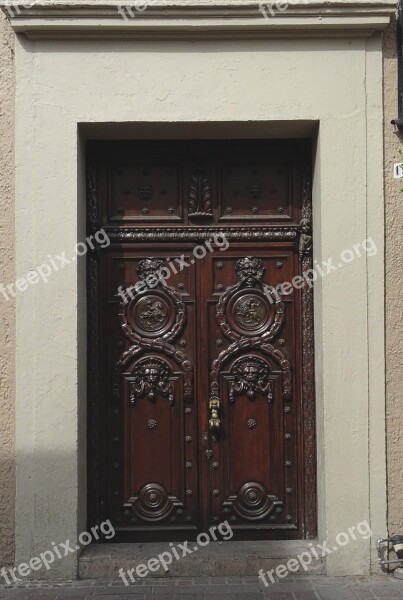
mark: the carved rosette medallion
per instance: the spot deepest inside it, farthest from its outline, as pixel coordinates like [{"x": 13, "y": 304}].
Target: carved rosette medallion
[
  {"x": 153, "y": 503},
  {"x": 251, "y": 377},
  {"x": 253, "y": 502},
  {"x": 150, "y": 378}
]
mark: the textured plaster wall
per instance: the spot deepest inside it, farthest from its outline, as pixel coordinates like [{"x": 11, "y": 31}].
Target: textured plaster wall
[
  {"x": 394, "y": 284},
  {"x": 394, "y": 287},
  {"x": 7, "y": 309},
  {"x": 339, "y": 83}
]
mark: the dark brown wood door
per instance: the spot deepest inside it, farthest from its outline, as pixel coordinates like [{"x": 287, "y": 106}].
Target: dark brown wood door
[{"x": 201, "y": 403}]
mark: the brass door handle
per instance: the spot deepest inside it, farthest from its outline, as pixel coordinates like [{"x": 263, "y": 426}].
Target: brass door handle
[{"x": 214, "y": 407}]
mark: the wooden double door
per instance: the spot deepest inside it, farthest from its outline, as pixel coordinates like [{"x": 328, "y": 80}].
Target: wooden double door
[{"x": 200, "y": 384}]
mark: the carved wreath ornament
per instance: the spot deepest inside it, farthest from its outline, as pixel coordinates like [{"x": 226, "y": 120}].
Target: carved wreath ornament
[
  {"x": 250, "y": 315},
  {"x": 151, "y": 321}
]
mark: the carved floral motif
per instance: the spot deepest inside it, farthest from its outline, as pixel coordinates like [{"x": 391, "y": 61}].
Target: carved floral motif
[{"x": 199, "y": 195}]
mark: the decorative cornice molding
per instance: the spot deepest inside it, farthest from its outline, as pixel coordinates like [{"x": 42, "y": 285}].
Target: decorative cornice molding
[
  {"x": 195, "y": 234},
  {"x": 184, "y": 19}
]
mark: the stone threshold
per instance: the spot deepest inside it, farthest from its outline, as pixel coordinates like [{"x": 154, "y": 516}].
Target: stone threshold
[{"x": 218, "y": 559}]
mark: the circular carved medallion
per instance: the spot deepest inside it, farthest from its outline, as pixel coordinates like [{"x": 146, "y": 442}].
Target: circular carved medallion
[
  {"x": 253, "y": 502},
  {"x": 247, "y": 313},
  {"x": 153, "y": 503},
  {"x": 158, "y": 314},
  {"x": 151, "y": 313},
  {"x": 250, "y": 311}
]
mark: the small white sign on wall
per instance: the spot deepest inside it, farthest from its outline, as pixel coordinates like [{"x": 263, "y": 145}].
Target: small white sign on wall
[{"x": 398, "y": 170}]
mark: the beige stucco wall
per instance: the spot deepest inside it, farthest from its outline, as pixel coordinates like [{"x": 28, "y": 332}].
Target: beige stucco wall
[
  {"x": 394, "y": 287},
  {"x": 394, "y": 305},
  {"x": 7, "y": 309},
  {"x": 335, "y": 81}
]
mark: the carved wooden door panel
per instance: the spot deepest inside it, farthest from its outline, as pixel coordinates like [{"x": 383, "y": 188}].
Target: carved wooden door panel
[
  {"x": 201, "y": 404},
  {"x": 152, "y": 483},
  {"x": 253, "y": 335}
]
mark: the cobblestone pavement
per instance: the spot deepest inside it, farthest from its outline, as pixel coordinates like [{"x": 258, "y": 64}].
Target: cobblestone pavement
[{"x": 225, "y": 588}]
